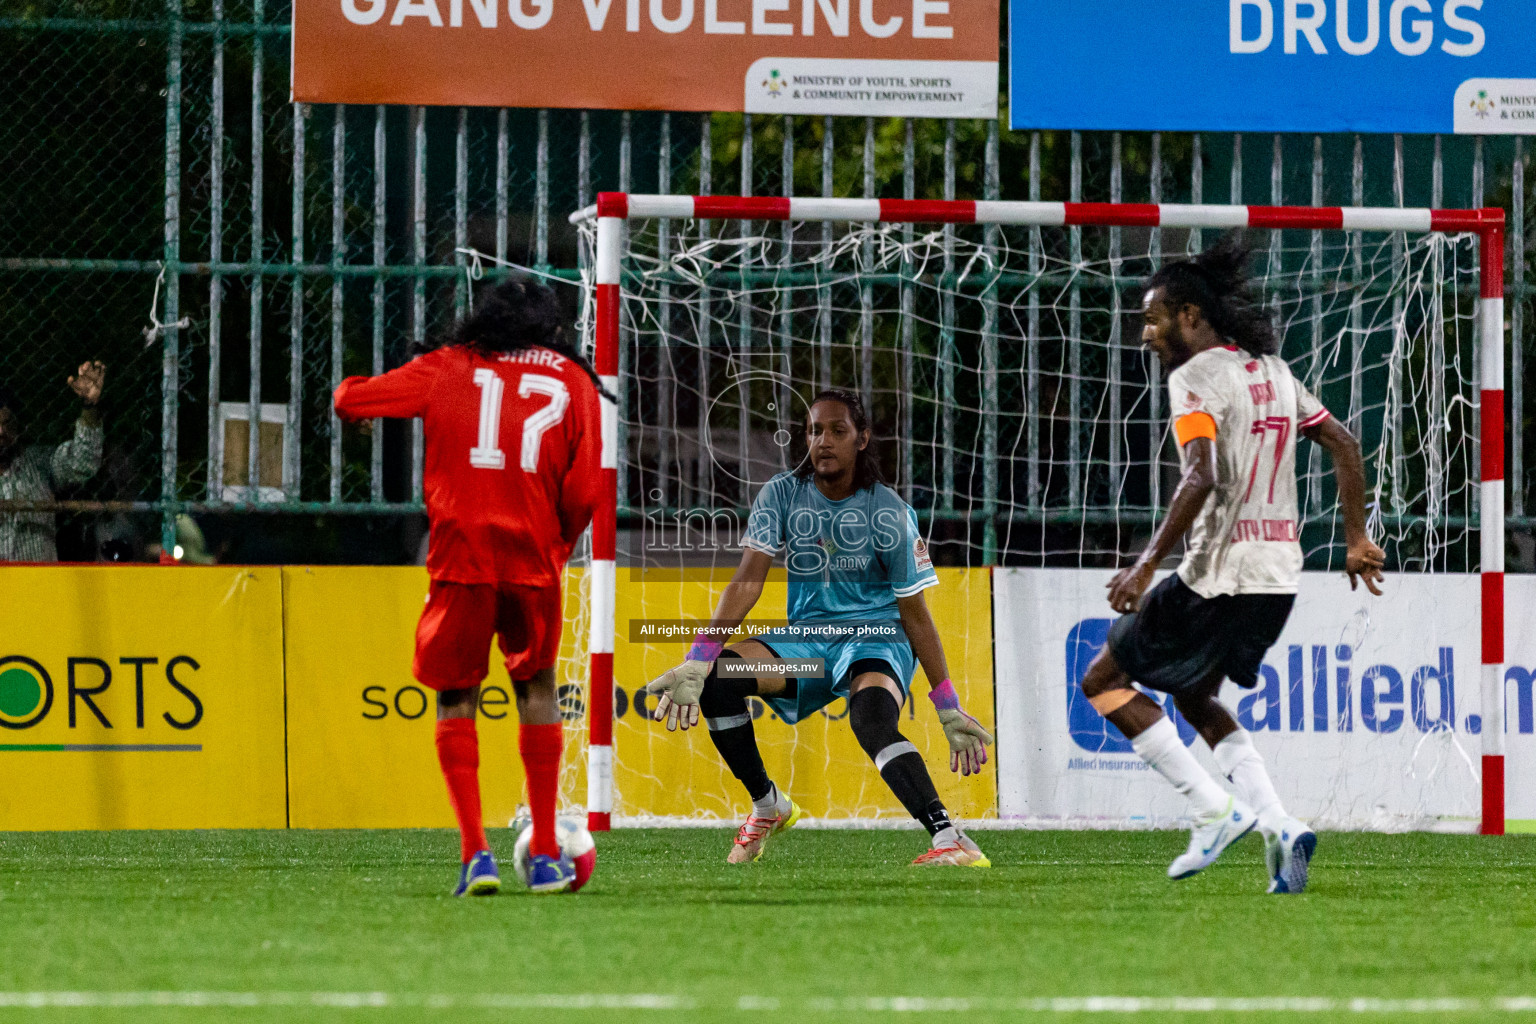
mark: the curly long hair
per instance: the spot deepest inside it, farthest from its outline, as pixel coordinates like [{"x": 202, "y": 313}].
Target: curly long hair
[
  {"x": 513, "y": 316},
  {"x": 1216, "y": 281}
]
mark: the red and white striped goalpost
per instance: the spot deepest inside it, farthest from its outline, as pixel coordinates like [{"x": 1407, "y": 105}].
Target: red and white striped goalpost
[
  {"x": 613, "y": 209},
  {"x": 1491, "y": 520},
  {"x": 604, "y": 582}
]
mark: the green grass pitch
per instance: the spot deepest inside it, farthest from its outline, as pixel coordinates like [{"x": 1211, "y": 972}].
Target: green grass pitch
[{"x": 830, "y": 925}]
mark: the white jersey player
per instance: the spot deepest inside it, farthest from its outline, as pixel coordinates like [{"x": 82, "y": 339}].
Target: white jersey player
[
  {"x": 1244, "y": 540},
  {"x": 1237, "y": 412}
]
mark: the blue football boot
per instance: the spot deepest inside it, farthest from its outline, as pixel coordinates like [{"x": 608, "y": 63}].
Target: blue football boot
[
  {"x": 550, "y": 874},
  {"x": 479, "y": 877}
]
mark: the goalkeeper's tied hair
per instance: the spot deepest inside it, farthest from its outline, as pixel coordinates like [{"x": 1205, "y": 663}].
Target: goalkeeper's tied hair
[
  {"x": 866, "y": 469},
  {"x": 513, "y": 316},
  {"x": 1216, "y": 281}
]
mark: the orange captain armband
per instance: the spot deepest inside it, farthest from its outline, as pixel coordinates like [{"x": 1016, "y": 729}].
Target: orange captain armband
[{"x": 1196, "y": 424}]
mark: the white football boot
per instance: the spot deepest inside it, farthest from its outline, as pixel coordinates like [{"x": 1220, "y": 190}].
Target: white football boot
[
  {"x": 1287, "y": 854},
  {"x": 1208, "y": 839}
]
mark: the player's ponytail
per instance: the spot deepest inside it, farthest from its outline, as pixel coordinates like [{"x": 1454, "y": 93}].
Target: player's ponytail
[
  {"x": 1216, "y": 281},
  {"x": 866, "y": 467}
]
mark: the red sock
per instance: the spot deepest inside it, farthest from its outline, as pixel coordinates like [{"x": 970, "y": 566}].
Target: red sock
[
  {"x": 458, "y": 752},
  {"x": 540, "y": 747}
]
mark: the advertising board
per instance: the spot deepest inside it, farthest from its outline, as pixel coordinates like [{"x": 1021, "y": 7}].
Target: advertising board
[
  {"x": 908, "y": 58},
  {"x": 1465, "y": 66},
  {"x": 1367, "y": 710}
]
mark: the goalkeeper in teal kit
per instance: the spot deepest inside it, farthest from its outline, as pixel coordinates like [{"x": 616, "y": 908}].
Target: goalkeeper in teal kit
[{"x": 857, "y": 571}]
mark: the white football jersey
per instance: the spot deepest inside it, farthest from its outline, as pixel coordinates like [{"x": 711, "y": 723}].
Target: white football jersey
[{"x": 1246, "y": 538}]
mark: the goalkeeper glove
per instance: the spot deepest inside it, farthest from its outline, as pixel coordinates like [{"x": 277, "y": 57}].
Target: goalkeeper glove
[
  {"x": 679, "y": 688},
  {"x": 967, "y": 739}
]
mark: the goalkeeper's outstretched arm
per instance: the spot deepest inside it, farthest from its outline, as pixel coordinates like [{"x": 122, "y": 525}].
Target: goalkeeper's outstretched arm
[
  {"x": 740, "y": 595},
  {"x": 923, "y": 635},
  {"x": 679, "y": 688},
  {"x": 967, "y": 737}
]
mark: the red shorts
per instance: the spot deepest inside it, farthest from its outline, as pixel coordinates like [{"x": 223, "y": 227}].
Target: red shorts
[{"x": 453, "y": 637}]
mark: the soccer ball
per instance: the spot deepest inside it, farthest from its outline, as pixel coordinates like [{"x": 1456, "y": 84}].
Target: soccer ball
[{"x": 575, "y": 842}]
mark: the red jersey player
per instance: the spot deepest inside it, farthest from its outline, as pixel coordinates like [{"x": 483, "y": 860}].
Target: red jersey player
[{"x": 513, "y": 446}]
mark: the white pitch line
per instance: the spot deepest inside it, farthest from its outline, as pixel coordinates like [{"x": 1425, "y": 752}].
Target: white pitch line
[
  {"x": 758, "y": 1004},
  {"x": 344, "y": 1000},
  {"x": 1170, "y": 1004}
]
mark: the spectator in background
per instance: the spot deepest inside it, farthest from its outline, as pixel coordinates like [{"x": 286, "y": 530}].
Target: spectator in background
[{"x": 35, "y": 473}]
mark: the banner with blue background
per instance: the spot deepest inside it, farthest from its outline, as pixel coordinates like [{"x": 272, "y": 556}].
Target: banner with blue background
[{"x": 1463, "y": 66}]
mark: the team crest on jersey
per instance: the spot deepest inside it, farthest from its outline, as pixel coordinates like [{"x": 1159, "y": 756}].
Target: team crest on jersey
[
  {"x": 920, "y": 555},
  {"x": 1253, "y": 366}
]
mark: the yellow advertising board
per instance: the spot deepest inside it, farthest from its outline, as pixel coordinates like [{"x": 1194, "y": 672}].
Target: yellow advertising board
[
  {"x": 360, "y": 732},
  {"x": 141, "y": 697},
  {"x": 818, "y": 761}
]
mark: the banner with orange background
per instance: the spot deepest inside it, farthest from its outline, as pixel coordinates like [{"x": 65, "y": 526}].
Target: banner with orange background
[{"x": 879, "y": 58}]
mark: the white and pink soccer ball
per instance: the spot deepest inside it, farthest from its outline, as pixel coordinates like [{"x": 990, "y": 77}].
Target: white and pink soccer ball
[{"x": 575, "y": 842}]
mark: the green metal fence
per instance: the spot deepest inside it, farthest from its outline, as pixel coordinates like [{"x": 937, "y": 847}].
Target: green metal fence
[{"x": 231, "y": 255}]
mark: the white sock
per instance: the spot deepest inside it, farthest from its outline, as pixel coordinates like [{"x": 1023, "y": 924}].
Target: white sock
[
  {"x": 773, "y": 804},
  {"x": 1160, "y": 746},
  {"x": 946, "y": 837},
  {"x": 1240, "y": 761}
]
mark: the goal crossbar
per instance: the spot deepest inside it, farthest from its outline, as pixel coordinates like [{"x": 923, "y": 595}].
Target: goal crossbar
[
  {"x": 1030, "y": 214},
  {"x": 613, "y": 209}
]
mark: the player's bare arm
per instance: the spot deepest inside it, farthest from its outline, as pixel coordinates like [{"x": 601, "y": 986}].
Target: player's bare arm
[
  {"x": 741, "y": 594},
  {"x": 1196, "y": 485},
  {"x": 923, "y": 635},
  {"x": 680, "y": 687},
  {"x": 967, "y": 738},
  {"x": 1363, "y": 559}
]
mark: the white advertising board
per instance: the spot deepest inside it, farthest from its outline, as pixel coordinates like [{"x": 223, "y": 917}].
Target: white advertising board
[{"x": 1367, "y": 711}]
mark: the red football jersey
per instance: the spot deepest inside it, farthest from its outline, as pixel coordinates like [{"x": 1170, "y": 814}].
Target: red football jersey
[{"x": 513, "y": 450}]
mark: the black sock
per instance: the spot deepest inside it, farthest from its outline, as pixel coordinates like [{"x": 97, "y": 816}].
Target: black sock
[
  {"x": 873, "y": 714},
  {"x": 723, "y": 706}
]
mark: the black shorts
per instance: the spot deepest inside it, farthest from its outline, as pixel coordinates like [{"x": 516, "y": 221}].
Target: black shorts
[{"x": 1179, "y": 640}]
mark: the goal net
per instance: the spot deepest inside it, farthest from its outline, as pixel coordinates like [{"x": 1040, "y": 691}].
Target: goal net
[{"x": 1014, "y": 408}]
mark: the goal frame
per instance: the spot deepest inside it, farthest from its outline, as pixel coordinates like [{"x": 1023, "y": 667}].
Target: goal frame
[{"x": 614, "y": 209}]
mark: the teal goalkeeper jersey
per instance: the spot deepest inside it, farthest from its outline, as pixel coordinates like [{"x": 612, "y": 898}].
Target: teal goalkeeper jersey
[{"x": 847, "y": 560}]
